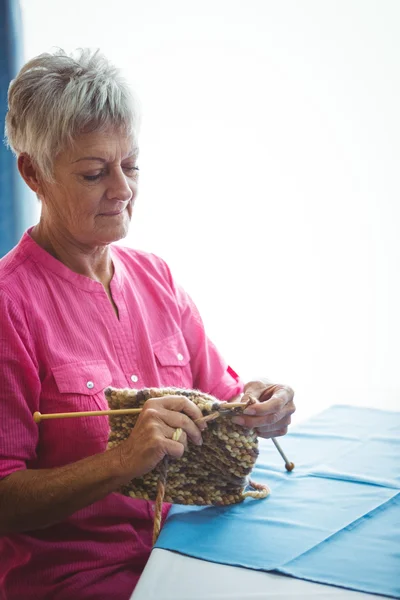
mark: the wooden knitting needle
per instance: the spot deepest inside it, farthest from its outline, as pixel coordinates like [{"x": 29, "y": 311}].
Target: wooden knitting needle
[
  {"x": 289, "y": 466},
  {"x": 37, "y": 416}
]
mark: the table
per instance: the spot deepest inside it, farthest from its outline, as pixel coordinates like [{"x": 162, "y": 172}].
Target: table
[
  {"x": 346, "y": 467},
  {"x": 172, "y": 576}
]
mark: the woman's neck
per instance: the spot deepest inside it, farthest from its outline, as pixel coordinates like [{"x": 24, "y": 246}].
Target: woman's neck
[{"x": 93, "y": 262}]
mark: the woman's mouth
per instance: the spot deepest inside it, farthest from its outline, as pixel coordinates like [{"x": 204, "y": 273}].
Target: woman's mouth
[{"x": 111, "y": 213}]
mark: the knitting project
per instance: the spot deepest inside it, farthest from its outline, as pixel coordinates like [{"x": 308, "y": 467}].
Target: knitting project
[{"x": 215, "y": 473}]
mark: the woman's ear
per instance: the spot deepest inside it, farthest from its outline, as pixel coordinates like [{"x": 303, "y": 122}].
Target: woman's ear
[{"x": 29, "y": 173}]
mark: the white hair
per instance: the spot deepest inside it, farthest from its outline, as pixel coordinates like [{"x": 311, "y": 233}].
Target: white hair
[{"x": 56, "y": 97}]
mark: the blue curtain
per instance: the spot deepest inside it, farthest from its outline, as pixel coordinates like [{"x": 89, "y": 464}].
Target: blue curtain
[{"x": 16, "y": 201}]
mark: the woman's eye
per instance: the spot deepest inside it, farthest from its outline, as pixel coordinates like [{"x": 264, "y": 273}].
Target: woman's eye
[
  {"x": 92, "y": 177},
  {"x": 131, "y": 169}
]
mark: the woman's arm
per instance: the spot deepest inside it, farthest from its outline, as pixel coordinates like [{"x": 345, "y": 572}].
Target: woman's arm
[{"x": 34, "y": 499}]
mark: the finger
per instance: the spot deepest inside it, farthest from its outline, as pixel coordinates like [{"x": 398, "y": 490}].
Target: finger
[
  {"x": 269, "y": 391},
  {"x": 275, "y": 430},
  {"x": 273, "y": 406},
  {"x": 285, "y": 422},
  {"x": 256, "y": 389},
  {"x": 178, "y": 404},
  {"x": 269, "y": 421},
  {"x": 268, "y": 434},
  {"x": 171, "y": 433},
  {"x": 282, "y": 397},
  {"x": 174, "y": 449},
  {"x": 273, "y": 391},
  {"x": 176, "y": 419},
  {"x": 277, "y": 402}
]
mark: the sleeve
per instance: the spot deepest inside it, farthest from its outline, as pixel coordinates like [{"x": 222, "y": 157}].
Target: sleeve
[
  {"x": 211, "y": 373},
  {"x": 19, "y": 390}
]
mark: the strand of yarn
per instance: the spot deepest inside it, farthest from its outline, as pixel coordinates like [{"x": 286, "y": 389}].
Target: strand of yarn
[
  {"x": 262, "y": 491},
  {"x": 224, "y": 407},
  {"x": 161, "y": 485}
]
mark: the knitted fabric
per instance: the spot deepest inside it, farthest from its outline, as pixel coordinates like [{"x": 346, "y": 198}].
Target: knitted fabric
[{"x": 215, "y": 473}]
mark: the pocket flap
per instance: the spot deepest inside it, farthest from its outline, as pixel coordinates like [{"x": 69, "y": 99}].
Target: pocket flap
[
  {"x": 172, "y": 351},
  {"x": 88, "y": 377}
]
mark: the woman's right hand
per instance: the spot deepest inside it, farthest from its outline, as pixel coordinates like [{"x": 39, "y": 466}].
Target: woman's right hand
[{"x": 151, "y": 438}]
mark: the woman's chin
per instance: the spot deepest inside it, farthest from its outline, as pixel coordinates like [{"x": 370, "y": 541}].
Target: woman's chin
[
  {"x": 113, "y": 231},
  {"x": 102, "y": 238}
]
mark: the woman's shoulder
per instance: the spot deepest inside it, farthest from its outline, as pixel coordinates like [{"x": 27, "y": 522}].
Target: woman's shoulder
[
  {"x": 14, "y": 257},
  {"x": 14, "y": 268}
]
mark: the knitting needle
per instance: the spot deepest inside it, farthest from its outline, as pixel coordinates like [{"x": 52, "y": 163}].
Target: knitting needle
[
  {"x": 289, "y": 466},
  {"x": 37, "y": 416}
]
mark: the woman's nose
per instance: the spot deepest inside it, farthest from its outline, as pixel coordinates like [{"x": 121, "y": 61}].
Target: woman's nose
[{"x": 119, "y": 188}]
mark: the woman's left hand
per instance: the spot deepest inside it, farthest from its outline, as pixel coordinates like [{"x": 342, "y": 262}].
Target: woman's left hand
[{"x": 271, "y": 414}]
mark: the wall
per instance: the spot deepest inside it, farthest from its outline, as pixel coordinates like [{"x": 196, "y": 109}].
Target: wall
[{"x": 269, "y": 174}]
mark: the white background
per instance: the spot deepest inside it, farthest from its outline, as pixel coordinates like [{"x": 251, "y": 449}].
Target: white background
[{"x": 269, "y": 174}]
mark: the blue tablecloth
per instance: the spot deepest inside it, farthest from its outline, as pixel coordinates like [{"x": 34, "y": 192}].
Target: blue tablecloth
[{"x": 334, "y": 519}]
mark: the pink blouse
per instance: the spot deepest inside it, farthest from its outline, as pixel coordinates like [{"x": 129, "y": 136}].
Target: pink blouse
[{"x": 61, "y": 344}]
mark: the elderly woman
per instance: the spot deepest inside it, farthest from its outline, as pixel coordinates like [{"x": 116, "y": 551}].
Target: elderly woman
[{"x": 79, "y": 314}]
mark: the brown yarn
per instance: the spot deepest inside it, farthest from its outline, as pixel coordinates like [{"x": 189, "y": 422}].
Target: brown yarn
[
  {"x": 160, "y": 498},
  {"x": 161, "y": 490},
  {"x": 215, "y": 473}
]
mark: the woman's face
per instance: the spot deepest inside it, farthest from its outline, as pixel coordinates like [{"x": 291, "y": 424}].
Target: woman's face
[{"x": 94, "y": 188}]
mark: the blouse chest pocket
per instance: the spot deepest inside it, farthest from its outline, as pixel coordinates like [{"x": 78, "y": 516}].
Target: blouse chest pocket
[
  {"x": 173, "y": 361},
  {"x": 80, "y": 388},
  {"x": 87, "y": 378}
]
